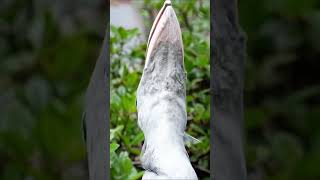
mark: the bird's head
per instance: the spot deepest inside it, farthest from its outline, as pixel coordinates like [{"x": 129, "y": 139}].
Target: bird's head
[{"x": 164, "y": 66}]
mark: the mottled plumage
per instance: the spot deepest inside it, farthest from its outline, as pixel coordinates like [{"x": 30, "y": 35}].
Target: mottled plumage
[{"x": 161, "y": 102}]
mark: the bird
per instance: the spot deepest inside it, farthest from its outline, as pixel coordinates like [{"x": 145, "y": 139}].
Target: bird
[{"x": 161, "y": 102}]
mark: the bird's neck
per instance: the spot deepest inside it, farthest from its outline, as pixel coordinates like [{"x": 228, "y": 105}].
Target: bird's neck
[{"x": 165, "y": 153}]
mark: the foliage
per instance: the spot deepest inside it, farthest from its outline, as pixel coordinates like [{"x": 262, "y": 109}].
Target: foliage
[{"x": 126, "y": 70}]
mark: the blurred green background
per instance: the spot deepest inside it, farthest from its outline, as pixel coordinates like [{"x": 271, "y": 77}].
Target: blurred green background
[
  {"x": 48, "y": 50},
  {"x": 47, "y": 53},
  {"x": 282, "y": 88}
]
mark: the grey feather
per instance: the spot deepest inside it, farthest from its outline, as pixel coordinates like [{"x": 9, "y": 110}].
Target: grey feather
[{"x": 161, "y": 102}]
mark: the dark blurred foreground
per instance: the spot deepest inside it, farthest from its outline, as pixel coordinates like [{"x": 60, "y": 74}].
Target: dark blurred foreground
[
  {"x": 282, "y": 88},
  {"x": 47, "y": 53}
]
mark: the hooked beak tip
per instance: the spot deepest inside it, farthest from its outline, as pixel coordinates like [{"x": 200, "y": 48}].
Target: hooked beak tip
[{"x": 167, "y": 2}]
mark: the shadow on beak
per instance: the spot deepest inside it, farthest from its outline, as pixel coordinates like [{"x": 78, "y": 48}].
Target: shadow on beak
[{"x": 165, "y": 30}]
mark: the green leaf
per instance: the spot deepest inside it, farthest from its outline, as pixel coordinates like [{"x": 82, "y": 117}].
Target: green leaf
[
  {"x": 137, "y": 139},
  {"x": 113, "y": 147},
  {"x": 114, "y": 132}
]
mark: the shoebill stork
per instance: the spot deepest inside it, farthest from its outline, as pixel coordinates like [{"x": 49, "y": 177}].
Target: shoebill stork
[{"x": 161, "y": 102}]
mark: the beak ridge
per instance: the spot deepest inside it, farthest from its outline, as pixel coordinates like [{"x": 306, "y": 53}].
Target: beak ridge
[{"x": 165, "y": 29}]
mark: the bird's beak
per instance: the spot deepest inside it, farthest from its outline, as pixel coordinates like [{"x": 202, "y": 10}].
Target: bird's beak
[
  {"x": 164, "y": 66},
  {"x": 156, "y": 21},
  {"x": 165, "y": 29}
]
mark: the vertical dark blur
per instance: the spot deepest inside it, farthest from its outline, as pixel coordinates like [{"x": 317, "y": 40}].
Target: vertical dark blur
[
  {"x": 282, "y": 88},
  {"x": 48, "y": 50}
]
